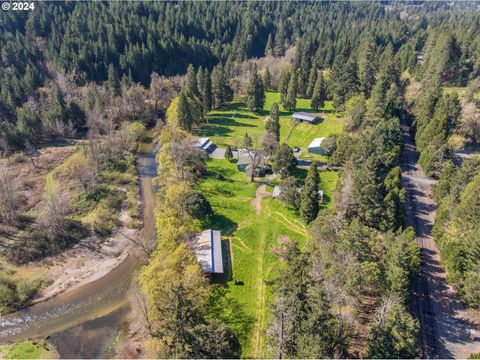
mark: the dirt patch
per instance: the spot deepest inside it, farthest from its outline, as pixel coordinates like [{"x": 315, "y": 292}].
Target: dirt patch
[
  {"x": 87, "y": 261},
  {"x": 259, "y": 194}
]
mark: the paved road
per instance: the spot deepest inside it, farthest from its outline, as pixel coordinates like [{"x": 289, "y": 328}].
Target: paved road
[{"x": 445, "y": 328}]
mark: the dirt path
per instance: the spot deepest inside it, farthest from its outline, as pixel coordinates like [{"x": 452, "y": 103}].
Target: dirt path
[
  {"x": 445, "y": 324},
  {"x": 259, "y": 194},
  {"x": 260, "y": 310}
]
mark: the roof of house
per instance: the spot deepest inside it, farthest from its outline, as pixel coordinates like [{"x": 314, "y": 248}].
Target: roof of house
[
  {"x": 304, "y": 116},
  {"x": 207, "y": 247},
  {"x": 317, "y": 142},
  {"x": 204, "y": 143},
  {"x": 246, "y": 159}
]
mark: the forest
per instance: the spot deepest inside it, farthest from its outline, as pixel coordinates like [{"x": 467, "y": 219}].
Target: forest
[{"x": 100, "y": 73}]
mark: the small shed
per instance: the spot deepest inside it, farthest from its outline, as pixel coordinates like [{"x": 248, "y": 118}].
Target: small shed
[
  {"x": 207, "y": 246},
  {"x": 277, "y": 191},
  {"x": 320, "y": 196},
  {"x": 315, "y": 146},
  {"x": 205, "y": 144},
  {"x": 306, "y": 117}
]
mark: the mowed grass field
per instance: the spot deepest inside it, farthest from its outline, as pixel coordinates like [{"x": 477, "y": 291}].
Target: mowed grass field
[
  {"x": 249, "y": 240},
  {"x": 229, "y": 125}
]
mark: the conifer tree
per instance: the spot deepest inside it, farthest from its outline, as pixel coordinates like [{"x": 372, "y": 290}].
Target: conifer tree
[
  {"x": 284, "y": 162},
  {"x": 267, "y": 80},
  {"x": 255, "y": 94},
  {"x": 309, "y": 206},
  {"x": 228, "y": 153},
  {"x": 269, "y": 46},
  {"x": 291, "y": 100},
  {"x": 368, "y": 194},
  {"x": 319, "y": 94},
  {"x": 273, "y": 123},
  {"x": 184, "y": 116},
  {"x": 312, "y": 80},
  {"x": 283, "y": 84},
  {"x": 113, "y": 85},
  {"x": 367, "y": 65},
  {"x": 191, "y": 85}
]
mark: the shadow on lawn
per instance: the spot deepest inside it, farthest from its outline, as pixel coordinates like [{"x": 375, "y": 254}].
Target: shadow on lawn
[
  {"x": 230, "y": 121},
  {"x": 224, "y": 307}
]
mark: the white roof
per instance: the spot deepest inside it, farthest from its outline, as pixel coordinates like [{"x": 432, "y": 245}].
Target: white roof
[
  {"x": 304, "y": 116},
  {"x": 208, "y": 249},
  {"x": 204, "y": 143},
  {"x": 316, "y": 143},
  {"x": 277, "y": 190}
]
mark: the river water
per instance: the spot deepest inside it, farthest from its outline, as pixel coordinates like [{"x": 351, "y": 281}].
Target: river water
[{"x": 84, "y": 322}]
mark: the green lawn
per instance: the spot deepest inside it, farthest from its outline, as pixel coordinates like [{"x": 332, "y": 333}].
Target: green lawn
[
  {"x": 229, "y": 125},
  {"x": 249, "y": 238},
  {"x": 27, "y": 350},
  {"x": 248, "y": 242}
]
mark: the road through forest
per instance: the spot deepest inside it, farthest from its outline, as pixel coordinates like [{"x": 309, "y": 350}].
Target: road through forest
[{"x": 445, "y": 327}]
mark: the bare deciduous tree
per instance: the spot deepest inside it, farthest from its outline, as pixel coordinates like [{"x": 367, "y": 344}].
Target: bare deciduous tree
[
  {"x": 57, "y": 207},
  {"x": 8, "y": 198},
  {"x": 470, "y": 122}
]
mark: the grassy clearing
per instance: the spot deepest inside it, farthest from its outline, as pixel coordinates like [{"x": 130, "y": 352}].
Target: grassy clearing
[
  {"x": 248, "y": 241},
  {"x": 28, "y": 350},
  {"x": 229, "y": 125}
]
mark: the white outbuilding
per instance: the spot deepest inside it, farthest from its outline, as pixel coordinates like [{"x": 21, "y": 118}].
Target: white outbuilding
[{"x": 315, "y": 146}]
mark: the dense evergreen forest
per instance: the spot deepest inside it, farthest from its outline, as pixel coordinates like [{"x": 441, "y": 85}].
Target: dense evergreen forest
[
  {"x": 75, "y": 68},
  {"x": 90, "y": 41}
]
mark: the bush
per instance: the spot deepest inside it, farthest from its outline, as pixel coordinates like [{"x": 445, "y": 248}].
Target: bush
[
  {"x": 471, "y": 289},
  {"x": 15, "y": 293},
  {"x": 18, "y": 158},
  {"x": 106, "y": 217}
]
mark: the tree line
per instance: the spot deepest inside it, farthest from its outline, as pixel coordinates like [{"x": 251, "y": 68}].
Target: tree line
[{"x": 129, "y": 42}]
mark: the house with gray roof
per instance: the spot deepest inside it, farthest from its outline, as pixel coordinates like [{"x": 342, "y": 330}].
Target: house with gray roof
[{"x": 306, "y": 117}]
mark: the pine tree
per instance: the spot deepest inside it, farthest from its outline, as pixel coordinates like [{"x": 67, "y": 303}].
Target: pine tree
[
  {"x": 221, "y": 91},
  {"x": 228, "y": 153},
  {"x": 267, "y": 80},
  {"x": 273, "y": 123},
  {"x": 312, "y": 80},
  {"x": 284, "y": 162},
  {"x": 394, "y": 201},
  {"x": 113, "y": 85},
  {"x": 207, "y": 92},
  {"x": 283, "y": 84},
  {"x": 247, "y": 141},
  {"x": 309, "y": 206},
  {"x": 367, "y": 65},
  {"x": 319, "y": 94},
  {"x": 291, "y": 100},
  {"x": 269, "y": 46},
  {"x": 184, "y": 116},
  {"x": 344, "y": 80},
  {"x": 191, "y": 86},
  {"x": 368, "y": 194},
  {"x": 255, "y": 98}
]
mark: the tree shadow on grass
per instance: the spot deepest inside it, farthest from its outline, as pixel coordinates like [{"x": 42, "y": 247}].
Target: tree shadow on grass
[
  {"x": 210, "y": 130},
  {"x": 223, "y": 223},
  {"x": 222, "y": 306},
  {"x": 231, "y": 121},
  {"x": 220, "y": 174},
  {"x": 300, "y": 174}
]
